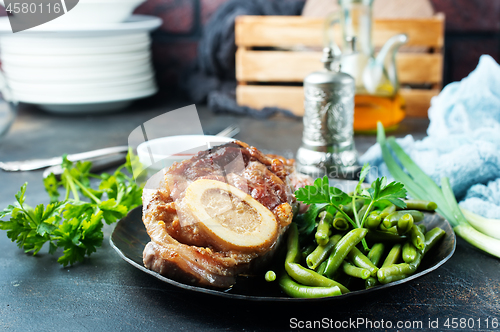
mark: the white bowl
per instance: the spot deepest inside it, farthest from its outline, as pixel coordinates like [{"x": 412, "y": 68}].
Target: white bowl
[
  {"x": 98, "y": 11},
  {"x": 159, "y": 153},
  {"x": 91, "y": 12}
]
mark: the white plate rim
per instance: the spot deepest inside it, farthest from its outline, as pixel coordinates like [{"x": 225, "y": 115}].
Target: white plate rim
[
  {"x": 86, "y": 99},
  {"x": 133, "y": 23}
]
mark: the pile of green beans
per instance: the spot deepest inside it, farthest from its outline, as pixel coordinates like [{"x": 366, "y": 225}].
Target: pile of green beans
[{"x": 334, "y": 260}]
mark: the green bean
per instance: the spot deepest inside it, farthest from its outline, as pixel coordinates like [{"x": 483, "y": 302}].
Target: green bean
[
  {"x": 405, "y": 223},
  {"x": 417, "y": 238},
  {"x": 420, "y": 205},
  {"x": 270, "y": 276},
  {"x": 323, "y": 230},
  {"x": 392, "y": 219},
  {"x": 432, "y": 237},
  {"x": 376, "y": 252},
  {"x": 360, "y": 260},
  {"x": 348, "y": 207},
  {"x": 321, "y": 268},
  {"x": 308, "y": 277},
  {"x": 342, "y": 248},
  {"x": 308, "y": 249},
  {"x": 314, "y": 259},
  {"x": 393, "y": 278},
  {"x": 293, "y": 289},
  {"x": 409, "y": 252},
  {"x": 393, "y": 229},
  {"x": 422, "y": 228},
  {"x": 355, "y": 271},
  {"x": 373, "y": 220},
  {"x": 371, "y": 282},
  {"x": 393, "y": 255},
  {"x": 292, "y": 244},
  {"x": 375, "y": 255},
  {"x": 395, "y": 269},
  {"x": 418, "y": 259},
  {"x": 301, "y": 273},
  {"x": 387, "y": 211},
  {"x": 384, "y": 236},
  {"x": 339, "y": 222}
]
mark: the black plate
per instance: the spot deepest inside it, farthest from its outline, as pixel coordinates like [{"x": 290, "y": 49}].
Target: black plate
[{"x": 129, "y": 238}]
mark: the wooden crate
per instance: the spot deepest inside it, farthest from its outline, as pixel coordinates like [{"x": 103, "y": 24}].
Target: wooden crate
[{"x": 261, "y": 74}]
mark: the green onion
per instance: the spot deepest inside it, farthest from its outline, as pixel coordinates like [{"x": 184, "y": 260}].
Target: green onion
[
  {"x": 478, "y": 239},
  {"x": 421, "y": 186},
  {"x": 482, "y": 224}
]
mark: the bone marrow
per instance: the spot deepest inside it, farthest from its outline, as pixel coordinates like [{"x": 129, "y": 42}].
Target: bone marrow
[{"x": 231, "y": 217}]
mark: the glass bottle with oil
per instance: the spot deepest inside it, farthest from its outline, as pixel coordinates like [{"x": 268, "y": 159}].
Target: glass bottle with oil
[{"x": 377, "y": 87}]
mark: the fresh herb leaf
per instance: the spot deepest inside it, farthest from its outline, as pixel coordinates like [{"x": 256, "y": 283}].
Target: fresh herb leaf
[
  {"x": 393, "y": 192},
  {"x": 72, "y": 224},
  {"x": 321, "y": 196},
  {"x": 51, "y": 185},
  {"x": 79, "y": 238},
  {"x": 112, "y": 211},
  {"x": 319, "y": 192}
]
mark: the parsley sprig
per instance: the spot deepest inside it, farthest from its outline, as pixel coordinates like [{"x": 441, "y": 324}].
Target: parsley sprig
[
  {"x": 321, "y": 196},
  {"x": 74, "y": 223}
]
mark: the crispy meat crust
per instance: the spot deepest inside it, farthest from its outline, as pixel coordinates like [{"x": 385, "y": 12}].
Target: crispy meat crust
[{"x": 178, "y": 249}]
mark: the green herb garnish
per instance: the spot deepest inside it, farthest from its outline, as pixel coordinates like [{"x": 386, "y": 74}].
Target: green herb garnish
[
  {"x": 73, "y": 224},
  {"x": 321, "y": 196}
]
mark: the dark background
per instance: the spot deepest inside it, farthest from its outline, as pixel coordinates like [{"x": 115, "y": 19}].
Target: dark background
[{"x": 472, "y": 29}]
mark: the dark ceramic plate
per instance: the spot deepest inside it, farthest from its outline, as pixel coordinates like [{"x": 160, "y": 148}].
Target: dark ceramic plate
[{"x": 129, "y": 238}]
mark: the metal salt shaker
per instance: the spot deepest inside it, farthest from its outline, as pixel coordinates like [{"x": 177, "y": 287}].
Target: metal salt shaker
[{"x": 327, "y": 142}]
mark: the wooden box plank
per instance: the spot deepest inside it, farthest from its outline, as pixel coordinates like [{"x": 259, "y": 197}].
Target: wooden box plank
[
  {"x": 260, "y": 72},
  {"x": 287, "y": 31},
  {"x": 284, "y": 66},
  {"x": 292, "y": 98},
  {"x": 260, "y": 96}
]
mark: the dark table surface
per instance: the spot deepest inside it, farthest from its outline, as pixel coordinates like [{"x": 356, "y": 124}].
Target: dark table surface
[{"x": 106, "y": 293}]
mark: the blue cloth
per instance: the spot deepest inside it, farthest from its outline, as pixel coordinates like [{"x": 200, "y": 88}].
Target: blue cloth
[{"x": 463, "y": 141}]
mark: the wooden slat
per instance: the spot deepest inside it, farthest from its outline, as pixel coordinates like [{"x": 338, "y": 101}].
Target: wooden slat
[
  {"x": 287, "y": 97},
  {"x": 285, "y": 31},
  {"x": 284, "y": 66},
  {"x": 418, "y": 101},
  {"x": 292, "y": 98}
]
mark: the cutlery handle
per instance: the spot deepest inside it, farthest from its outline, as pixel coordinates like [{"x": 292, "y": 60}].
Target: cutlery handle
[{"x": 34, "y": 164}]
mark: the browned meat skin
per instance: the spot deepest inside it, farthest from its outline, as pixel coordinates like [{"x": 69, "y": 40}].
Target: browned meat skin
[
  {"x": 182, "y": 251},
  {"x": 269, "y": 181}
]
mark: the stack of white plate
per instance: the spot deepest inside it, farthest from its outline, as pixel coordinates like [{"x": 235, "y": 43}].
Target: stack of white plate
[{"x": 80, "y": 68}]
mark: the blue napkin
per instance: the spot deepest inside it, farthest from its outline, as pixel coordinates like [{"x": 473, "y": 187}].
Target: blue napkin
[{"x": 463, "y": 141}]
